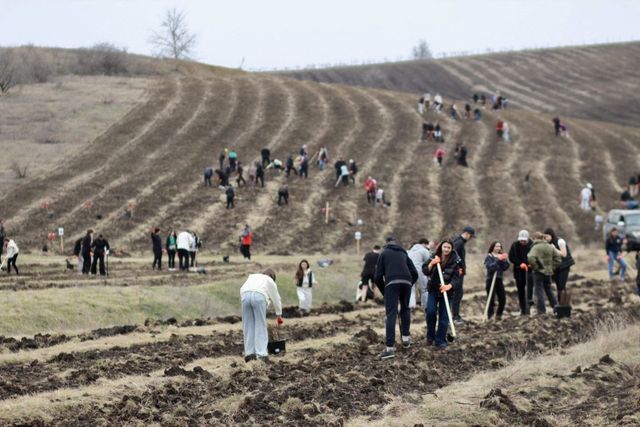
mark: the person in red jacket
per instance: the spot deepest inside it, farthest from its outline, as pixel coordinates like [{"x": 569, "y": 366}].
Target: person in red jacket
[
  {"x": 499, "y": 129},
  {"x": 439, "y": 155},
  {"x": 246, "y": 240},
  {"x": 371, "y": 186}
]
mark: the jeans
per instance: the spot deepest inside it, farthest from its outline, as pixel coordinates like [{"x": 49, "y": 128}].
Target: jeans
[
  {"x": 542, "y": 286},
  {"x": 498, "y": 289},
  {"x": 183, "y": 259},
  {"x": 436, "y": 313},
  {"x": 621, "y": 262},
  {"x": 394, "y": 293},
  {"x": 254, "y": 323},
  {"x": 456, "y": 299}
]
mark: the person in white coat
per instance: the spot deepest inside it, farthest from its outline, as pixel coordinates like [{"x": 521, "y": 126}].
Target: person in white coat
[
  {"x": 12, "y": 254},
  {"x": 184, "y": 242},
  {"x": 305, "y": 280},
  {"x": 585, "y": 197},
  {"x": 256, "y": 294},
  {"x": 419, "y": 254}
]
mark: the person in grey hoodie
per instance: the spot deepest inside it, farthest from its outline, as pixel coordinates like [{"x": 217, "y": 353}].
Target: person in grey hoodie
[
  {"x": 419, "y": 254},
  {"x": 395, "y": 274}
]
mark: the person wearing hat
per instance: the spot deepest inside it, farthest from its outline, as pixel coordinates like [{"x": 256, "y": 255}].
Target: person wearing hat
[
  {"x": 518, "y": 256},
  {"x": 458, "y": 246},
  {"x": 395, "y": 275},
  {"x": 256, "y": 294}
]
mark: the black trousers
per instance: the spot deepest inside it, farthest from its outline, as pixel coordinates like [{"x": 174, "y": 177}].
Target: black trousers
[
  {"x": 394, "y": 294},
  {"x": 172, "y": 258},
  {"x": 183, "y": 259},
  {"x": 282, "y": 196},
  {"x": 86, "y": 263},
  {"x": 457, "y": 299},
  {"x": 100, "y": 259},
  {"x": 12, "y": 261},
  {"x": 525, "y": 289},
  {"x": 560, "y": 278},
  {"x": 157, "y": 260},
  {"x": 261, "y": 179},
  {"x": 240, "y": 179},
  {"x": 192, "y": 258},
  {"x": 245, "y": 250},
  {"x": 229, "y": 202},
  {"x": 498, "y": 290}
]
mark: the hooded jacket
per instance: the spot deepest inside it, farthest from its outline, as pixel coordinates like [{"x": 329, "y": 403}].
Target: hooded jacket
[
  {"x": 450, "y": 273},
  {"x": 419, "y": 255},
  {"x": 458, "y": 247},
  {"x": 394, "y": 266},
  {"x": 543, "y": 258},
  {"x": 184, "y": 240}
]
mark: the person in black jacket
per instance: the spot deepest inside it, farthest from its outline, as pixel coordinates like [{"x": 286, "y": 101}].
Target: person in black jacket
[
  {"x": 395, "y": 274},
  {"x": 86, "y": 252},
  {"x": 283, "y": 194},
  {"x": 521, "y": 271},
  {"x": 259, "y": 174},
  {"x": 3, "y": 235},
  {"x": 367, "y": 275},
  {"x": 561, "y": 273},
  {"x": 436, "y": 309},
  {"x": 496, "y": 264},
  {"x": 266, "y": 157},
  {"x": 231, "y": 194},
  {"x": 100, "y": 248},
  {"x": 156, "y": 241},
  {"x": 458, "y": 246}
]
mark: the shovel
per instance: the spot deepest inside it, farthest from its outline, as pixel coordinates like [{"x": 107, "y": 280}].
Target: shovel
[
  {"x": 486, "y": 308},
  {"x": 452, "y": 335}
]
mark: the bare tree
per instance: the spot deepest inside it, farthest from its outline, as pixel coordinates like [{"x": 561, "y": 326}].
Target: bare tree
[
  {"x": 422, "y": 50},
  {"x": 174, "y": 40},
  {"x": 8, "y": 78}
]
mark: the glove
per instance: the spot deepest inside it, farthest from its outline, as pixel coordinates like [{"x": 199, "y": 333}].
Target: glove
[
  {"x": 524, "y": 267},
  {"x": 461, "y": 271},
  {"x": 434, "y": 261},
  {"x": 279, "y": 320},
  {"x": 607, "y": 258},
  {"x": 445, "y": 288},
  {"x": 502, "y": 257}
]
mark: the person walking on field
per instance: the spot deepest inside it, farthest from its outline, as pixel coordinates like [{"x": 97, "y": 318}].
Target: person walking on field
[
  {"x": 459, "y": 243},
  {"x": 246, "y": 240},
  {"x": 305, "y": 280},
  {"x": 86, "y": 252},
  {"x": 613, "y": 246},
  {"x": 518, "y": 256},
  {"x": 561, "y": 273},
  {"x": 240, "y": 178},
  {"x": 231, "y": 194},
  {"x": 290, "y": 166},
  {"x": 259, "y": 174},
  {"x": 353, "y": 170},
  {"x": 439, "y": 156},
  {"x": 371, "y": 186},
  {"x": 543, "y": 258},
  {"x": 368, "y": 273},
  {"x": 419, "y": 255},
  {"x": 435, "y": 309},
  {"x": 100, "y": 248},
  {"x": 256, "y": 294},
  {"x": 496, "y": 264},
  {"x": 265, "y": 153},
  {"x": 395, "y": 274},
  {"x": 183, "y": 243},
  {"x": 585, "y": 197},
  {"x": 172, "y": 247},
  {"x": 156, "y": 242},
  {"x": 12, "y": 254}
]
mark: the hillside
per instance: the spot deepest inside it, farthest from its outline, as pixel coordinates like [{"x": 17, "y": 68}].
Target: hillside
[
  {"x": 593, "y": 82},
  {"x": 153, "y": 159}
]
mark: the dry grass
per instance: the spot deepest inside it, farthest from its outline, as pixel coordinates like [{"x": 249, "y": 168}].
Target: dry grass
[
  {"x": 44, "y": 124},
  {"x": 458, "y": 403}
]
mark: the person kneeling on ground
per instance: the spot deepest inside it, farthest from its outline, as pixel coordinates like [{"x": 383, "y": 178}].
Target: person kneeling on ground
[
  {"x": 256, "y": 294},
  {"x": 496, "y": 264},
  {"x": 395, "y": 274},
  {"x": 436, "y": 310}
]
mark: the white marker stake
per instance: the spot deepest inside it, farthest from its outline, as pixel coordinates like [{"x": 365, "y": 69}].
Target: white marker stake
[
  {"x": 446, "y": 302},
  {"x": 486, "y": 307}
]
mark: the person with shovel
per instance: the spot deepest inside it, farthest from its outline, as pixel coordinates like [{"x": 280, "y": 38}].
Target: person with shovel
[
  {"x": 443, "y": 271},
  {"x": 395, "y": 274},
  {"x": 518, "y": 256},
  {"x": 496, "y": 264},
  {"x": 256, "y": 294}
]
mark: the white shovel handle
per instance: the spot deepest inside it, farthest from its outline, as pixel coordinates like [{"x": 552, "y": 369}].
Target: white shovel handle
[
  {"x": 446, "y": 302},
  {"x": 486, "y": 308}
]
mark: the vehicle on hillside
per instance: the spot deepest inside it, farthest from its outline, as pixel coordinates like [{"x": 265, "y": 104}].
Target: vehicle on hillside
[{"x": 628, "y": 224}]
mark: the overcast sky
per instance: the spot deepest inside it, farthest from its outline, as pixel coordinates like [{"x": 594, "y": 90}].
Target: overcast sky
[{"x": 289, "y": 33}]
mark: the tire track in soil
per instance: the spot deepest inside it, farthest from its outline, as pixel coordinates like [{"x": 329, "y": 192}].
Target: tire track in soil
[
  {"x": 244, "y": 118},
  {"x": 121, "y": 136},
  {"x": 112, "y": 198},
  {"x": 272, "y": 130},
  {"x": 172, "y": 194},
  {"x": 336, "y": 389},
  {"x": 309, "y": 124}
]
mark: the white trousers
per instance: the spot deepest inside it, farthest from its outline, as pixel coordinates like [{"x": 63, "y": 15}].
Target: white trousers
[{"x": 304, "y": 298}]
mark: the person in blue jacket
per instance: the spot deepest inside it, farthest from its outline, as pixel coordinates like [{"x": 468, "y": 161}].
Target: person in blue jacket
[{"x": 496, "y": 263}]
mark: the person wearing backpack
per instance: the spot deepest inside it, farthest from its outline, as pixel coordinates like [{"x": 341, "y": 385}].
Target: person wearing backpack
[
  {"x": 305, "y": 280},
  {"x": 156, "y": 242},
  {"x": 172, "y": 247}
]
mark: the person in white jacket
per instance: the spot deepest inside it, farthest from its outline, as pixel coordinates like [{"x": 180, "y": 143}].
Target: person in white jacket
[
  {"x": 305, "y": 280},
  {"x": 256, "y": 294},
  {"x": 419, "y": 254},
  {"x": 12, "y": 254},
  {"x": 184, "y": 242}
]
